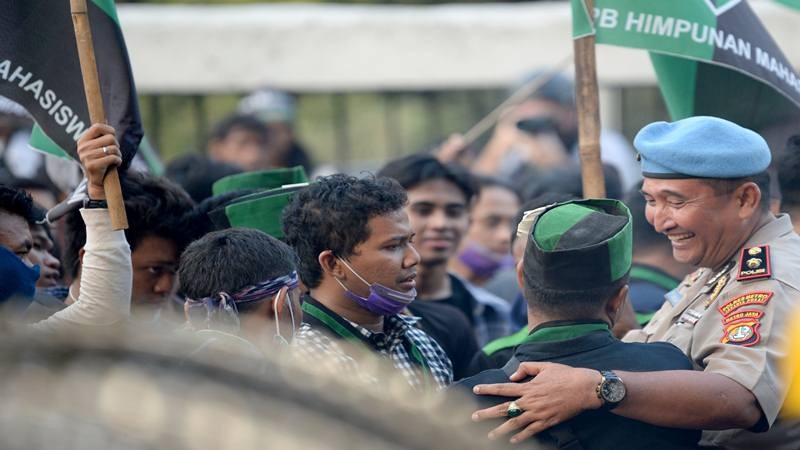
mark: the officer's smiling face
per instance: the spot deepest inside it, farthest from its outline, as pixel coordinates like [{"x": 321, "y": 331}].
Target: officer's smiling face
[{"x": 703, "y": 227}]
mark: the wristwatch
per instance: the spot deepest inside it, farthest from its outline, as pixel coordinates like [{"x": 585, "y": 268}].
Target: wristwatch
[
  {"x": 611, "y": 390},
  {"x": 91, "y": 204}
]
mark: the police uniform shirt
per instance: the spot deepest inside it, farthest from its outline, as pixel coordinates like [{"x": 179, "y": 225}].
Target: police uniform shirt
[{"x": 733, "y": 323}]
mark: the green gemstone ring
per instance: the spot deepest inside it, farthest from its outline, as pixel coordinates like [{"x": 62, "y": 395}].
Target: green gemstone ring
[{"x": 513, "y": 410}]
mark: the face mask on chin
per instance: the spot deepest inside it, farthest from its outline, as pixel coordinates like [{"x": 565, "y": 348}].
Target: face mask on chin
[
  {"x": 483, "y": 262},
  {"x": 382, "y": 300},
  {"x": 19, "y": 279}
]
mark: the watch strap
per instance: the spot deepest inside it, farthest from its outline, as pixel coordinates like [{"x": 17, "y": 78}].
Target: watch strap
[
  {"x": 608, "y": 376},
  {"x": 95, "y": 204}
]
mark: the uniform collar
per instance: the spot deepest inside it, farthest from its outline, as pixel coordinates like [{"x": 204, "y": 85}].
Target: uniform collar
[
  {"x": 560, "y": 330},
  {"x": 560, "y": 338}
]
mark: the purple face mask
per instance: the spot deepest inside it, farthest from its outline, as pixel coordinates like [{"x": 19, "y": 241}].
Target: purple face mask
[
  {"x": 382, "y": 300},
  {"x": 482, "y": 261}
]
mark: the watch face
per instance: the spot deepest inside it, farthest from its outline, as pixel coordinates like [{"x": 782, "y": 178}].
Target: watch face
[{"x": 613, "y": 390}]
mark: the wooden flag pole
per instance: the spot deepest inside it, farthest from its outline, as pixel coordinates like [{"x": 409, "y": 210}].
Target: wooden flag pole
[
  {"x": 588, "y": 104},
  {"x": 94, "y": 99}
]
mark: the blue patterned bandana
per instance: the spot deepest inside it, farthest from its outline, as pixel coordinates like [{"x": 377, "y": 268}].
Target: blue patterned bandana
[{"x": 221, "y": 309}]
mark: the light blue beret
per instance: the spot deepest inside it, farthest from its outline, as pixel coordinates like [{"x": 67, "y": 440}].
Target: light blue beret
[{"x": 700, "y": 147}]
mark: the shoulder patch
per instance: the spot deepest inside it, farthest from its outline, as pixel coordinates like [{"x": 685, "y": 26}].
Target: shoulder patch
[
  {"x": 751, "y": 314},
  {"x": 742, "y": 332},
  {"x": 754, "y": 263},
  {"x": 751, "y": 298}
]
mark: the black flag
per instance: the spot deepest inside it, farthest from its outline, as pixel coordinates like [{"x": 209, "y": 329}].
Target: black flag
[{"x": 39, "y": 69}]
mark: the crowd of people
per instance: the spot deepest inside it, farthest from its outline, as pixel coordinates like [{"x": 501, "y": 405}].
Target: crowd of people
[{"x": 654, "y": 318}]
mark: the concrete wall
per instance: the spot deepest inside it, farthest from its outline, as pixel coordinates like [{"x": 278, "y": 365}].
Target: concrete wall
[{"x": 184, "y": 49}]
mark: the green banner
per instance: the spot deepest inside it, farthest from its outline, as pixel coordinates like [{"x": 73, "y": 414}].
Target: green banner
[
  {"x": 790, "y": 3},
  {"x": 711, "y": 57}
]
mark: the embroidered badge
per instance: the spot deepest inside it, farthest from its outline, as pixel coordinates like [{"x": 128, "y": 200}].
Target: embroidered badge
[
  {"x": 717, "y": 289},
  {"x": 746, "y": 314},
  {"x": 742, "y": 332},
  {"x": 754, "y": 263},
  {"x": 751, "y": 298}
]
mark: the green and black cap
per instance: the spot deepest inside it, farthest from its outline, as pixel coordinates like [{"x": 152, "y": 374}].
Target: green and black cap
[
  {"x": 264, "y": 179},
  {"x": 262, "y": 211},
  {"x": 578, "y": 245}
]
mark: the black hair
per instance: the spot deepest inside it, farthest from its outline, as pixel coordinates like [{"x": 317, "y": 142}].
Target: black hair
[
  {"x": 571, "y": 304},
  {"x": 332, "y": 214},
  {"x": 200, "y": 222},
  {"x": 645, "y": 237},
  {"x": 414, "y": 170},
  {"x": 229, "y": 260},
  {"x": 17, "y": 202},
  {"x": 154, "y": 206},
  {"x": 197, "y": 173},
  {"x": 726, "y": 186},
  {"x": 789, "y": 173},
  {"x": 567, "y": 180},
  {"x": 543, "y": 200},
  {"x": 486, "y": 181},
  {"x": 238, "y": 122}
]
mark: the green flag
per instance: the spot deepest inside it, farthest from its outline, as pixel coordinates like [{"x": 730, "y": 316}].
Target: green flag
[
  {"x": 791, "y": 3},
  {"x": 711, "y": 57}
]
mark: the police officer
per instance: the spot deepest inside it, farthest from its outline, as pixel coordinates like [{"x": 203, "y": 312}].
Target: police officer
[{"x": 707, "y": 191}]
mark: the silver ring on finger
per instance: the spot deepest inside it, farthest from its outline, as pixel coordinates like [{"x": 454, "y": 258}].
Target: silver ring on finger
[{"x": 105, "y": 150}]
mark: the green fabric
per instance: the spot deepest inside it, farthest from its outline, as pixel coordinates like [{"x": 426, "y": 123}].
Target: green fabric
[
  {"x": 556, "y": 221},
  {"x": 620, "y": 249},
  {"x": 151, "y": 157},
  {"x": 566, "y": 218},
  {"x": 108, "y": 7},
  {"x": 42, "y": 142},
  {"x": 624, "y": 23},
  {"x": 660, "y": 279},
  {"x": 563, "y": 332},
  {"x": 677, "y": 79},
  {"x": 790, "y": 3},
  {"x": 505, "y": 342},
  {"x": 262, "y": 214},
  {"x": 323, "y": 317},
  {"x": 581, "y": 22},
  {"x": 265, "y": 179},
  {"x": 644, "y": 318}
]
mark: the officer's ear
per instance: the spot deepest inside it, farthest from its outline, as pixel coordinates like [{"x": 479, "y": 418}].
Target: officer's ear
[{"x": 748, "y": 199}]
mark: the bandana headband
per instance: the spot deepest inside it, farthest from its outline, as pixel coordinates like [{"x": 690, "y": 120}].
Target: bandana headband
[{"x": 224, "y": 304}]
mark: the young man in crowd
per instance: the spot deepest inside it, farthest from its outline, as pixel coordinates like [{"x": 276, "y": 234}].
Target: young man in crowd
[
  {"x": 439, "y": 201},
  {"x": 20, "y": 275},
  {"x": 486, "y": 247},
  {"x": 574, "y": 277},
  {"x": 105, "y": 294},
  {"x": 353, "y": 240},
  {"x": 157, "y": 232},
  {"x": 240, "y": 140},
  {"x": 242, "y": 290}
]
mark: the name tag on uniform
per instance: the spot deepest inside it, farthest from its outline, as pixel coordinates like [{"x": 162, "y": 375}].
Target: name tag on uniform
[
  {"x": 690, "y": 317},
  {"x": 673, "y": 297}
]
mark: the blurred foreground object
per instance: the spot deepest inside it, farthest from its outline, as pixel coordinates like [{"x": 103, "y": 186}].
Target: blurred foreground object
[{"x": 121, "y": 394}]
